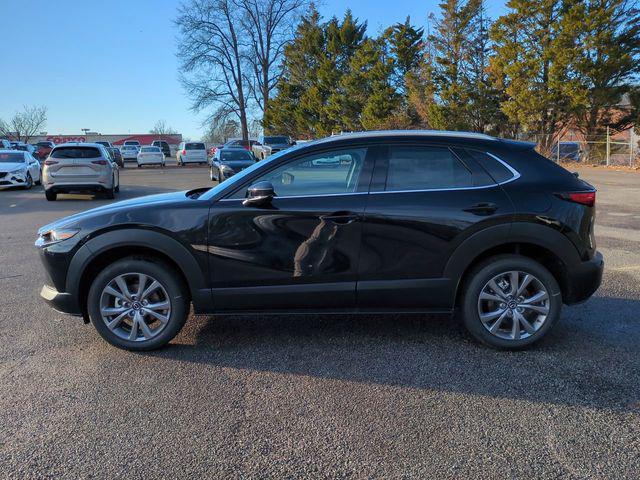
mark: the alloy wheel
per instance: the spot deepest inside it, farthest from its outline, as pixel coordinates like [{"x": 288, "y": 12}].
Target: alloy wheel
[
  {"x": 135, "y": 307},
  {"x": 513, "y": 305}
]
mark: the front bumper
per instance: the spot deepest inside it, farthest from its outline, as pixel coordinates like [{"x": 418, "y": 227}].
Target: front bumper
[
  {"x": 60, "y": 301},
  {"x": 584, "y": 279},
  {"x": 8, "y": 180}
]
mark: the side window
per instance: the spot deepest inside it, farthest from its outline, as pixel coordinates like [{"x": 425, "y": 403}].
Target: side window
[
  {"x": 425, "y": 168},
  {"x": 498, "y": 171},
  {"x": 333, "y": 172}
]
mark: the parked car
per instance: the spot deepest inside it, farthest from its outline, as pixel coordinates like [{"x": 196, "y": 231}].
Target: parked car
[
  {"x": 135, "y": 143},
  {"x": 80, "y": 167},
  {"x": 267, "y": 145},
  {"x": 240, "y": 143},
  {"x": 129, "y": 153},
  {"x": 191, "y": 152},
  {"x": 229, "y": 161},
  {"x": 23, "y": 147},
  {"x": 164, "y": 146},
  {"x": 116, "y": 155},
  {"x": 569, "y": 152},
  {"x": 44, "y": 148},
  {"x": 105, "y": 144},
  {"x": 5, "y": 144},
  {"x": 150, "y": 156},
  {"x": 212, "y": 150},
  {"x": 19, "y": 169},
  {"x": 410, "y": 222}
]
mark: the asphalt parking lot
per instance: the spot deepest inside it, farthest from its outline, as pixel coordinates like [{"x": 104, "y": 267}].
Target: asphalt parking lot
[{"x": 330, "y": 397}]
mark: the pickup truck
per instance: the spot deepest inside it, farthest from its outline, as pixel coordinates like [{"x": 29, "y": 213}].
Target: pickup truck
[{"x": 269, "y": 144}]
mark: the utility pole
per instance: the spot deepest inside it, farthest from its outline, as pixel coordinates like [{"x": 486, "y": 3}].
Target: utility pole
[{"x": 608, "y": 145}]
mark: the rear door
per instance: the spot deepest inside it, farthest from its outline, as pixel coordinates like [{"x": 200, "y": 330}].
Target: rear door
[
  {"x": 425, "y": 200},
  {"x": 78, "y": 164},
  {"x": 196, "y": 152}
]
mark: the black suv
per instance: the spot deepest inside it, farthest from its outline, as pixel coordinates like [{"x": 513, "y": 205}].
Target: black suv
[
  {"x": 164, "y": 146},
  {"x": 358, "y": 223}
]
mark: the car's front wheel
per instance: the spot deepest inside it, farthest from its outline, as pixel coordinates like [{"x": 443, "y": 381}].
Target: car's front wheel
[
  {"x": 510, "y": 301},
  {"x": 138, "y": 303},
  {"x": 28, "y": 183}
]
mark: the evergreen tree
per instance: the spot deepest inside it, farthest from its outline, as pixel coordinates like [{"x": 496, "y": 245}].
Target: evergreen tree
[
  {"x": 607, "y": 33},
  {"x": 533, "y": 53}
]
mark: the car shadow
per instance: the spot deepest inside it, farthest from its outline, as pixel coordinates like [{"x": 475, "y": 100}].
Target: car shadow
[{"x": 583, "y": 361}]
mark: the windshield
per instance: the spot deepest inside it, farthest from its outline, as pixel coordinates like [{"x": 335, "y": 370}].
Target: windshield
[
  {"x": 10, "y": 157},
  {"x": 226, "y": 155},
  {"x": 151, "y": 149},
  {"x": 129, "y": 147},
  {"x": 276, "y": 140}
]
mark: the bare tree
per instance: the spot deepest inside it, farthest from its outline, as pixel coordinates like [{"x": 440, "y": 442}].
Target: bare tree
[
  {"x": 212, "y": 57},
  {"x": 221, "y": 127},
  {"x": 161, "y": 128},
  {"x": 24, "y": 124},
  {"x": 269, "y": 25}
]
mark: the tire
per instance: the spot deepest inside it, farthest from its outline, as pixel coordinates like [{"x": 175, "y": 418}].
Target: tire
[
  {"x": 507, "y": 335},
  {"x": 110, "y": 193},
  {"x": 50, "y": 196},
  {"x": 172, "y": 292},
  {"x": 139, "y": 166},
  {"x": 211, "y": 173},
  {"x": 117, "y": 189},
  {"x": 29, "y": 183}
]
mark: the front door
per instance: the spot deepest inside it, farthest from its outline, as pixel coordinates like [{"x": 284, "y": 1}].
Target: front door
[{"x": 301, "y": 251}]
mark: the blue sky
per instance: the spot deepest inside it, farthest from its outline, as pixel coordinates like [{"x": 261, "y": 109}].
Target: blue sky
[{"x": 110, "y": 65}]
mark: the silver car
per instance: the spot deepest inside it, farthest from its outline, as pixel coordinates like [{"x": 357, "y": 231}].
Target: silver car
[{"x": 80, "y": 167}]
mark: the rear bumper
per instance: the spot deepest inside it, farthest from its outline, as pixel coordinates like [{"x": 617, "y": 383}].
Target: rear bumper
[
  {"x": 584, "y": 280},
  {"x": 60, "y": 301},
  {"x": 79, "y": 187}
]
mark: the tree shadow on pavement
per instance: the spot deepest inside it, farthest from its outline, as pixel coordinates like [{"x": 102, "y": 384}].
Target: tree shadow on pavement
[{"x": 589, "y": 359}]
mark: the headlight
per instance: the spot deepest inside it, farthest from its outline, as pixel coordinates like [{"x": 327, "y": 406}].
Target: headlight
[
  {"x": 55, "y": 235},
  {"x": 17, "y": 171},
  {"x": 227, "y": 168}
]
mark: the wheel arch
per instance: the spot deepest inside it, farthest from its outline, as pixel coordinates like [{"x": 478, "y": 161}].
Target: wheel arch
[
  {"x": 543, "y": 244},
  {"x": 114, "y": 245}
]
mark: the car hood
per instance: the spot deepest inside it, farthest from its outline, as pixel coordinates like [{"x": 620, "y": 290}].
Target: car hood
[
  {"x": 8, "y": 167},
  {"x": 139, "y": 202},
  {"x": 238, "y": 163}
]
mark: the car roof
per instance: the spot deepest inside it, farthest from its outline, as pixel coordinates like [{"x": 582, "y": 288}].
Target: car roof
[
  {"x": 233, "y": 149},
  {"x": 80, "y": 144}
]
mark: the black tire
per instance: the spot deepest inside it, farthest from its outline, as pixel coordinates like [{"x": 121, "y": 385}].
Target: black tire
[
  {"x": 166, "y": 276},
  {"x": 50, "y": 196},
  {"x": 478, "y": 277},
  {"x": 110, "y": 193},
  {"x": 139, "y": 166},
  {"x": 29, "y": 183},
  {"x": 117, "y": 189}
]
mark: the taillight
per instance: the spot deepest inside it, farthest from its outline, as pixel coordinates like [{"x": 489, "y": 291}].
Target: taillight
[
  {"x": 50, "y": 162},
  {"x": 184, "y": 152},
  {"x": 246, "y": 147},
  {"x": 583, "y": 198},
  {"x": 99, "y": 162}
]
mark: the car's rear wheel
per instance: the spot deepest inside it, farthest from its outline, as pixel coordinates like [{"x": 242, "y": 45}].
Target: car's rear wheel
[
  {"x": 51, "y": 196},
  {"x": 510, "y": 301},
  {"x": 138, "y": 303}
]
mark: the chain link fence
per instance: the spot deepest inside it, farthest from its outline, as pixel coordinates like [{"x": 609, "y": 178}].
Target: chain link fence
[{"x": 607, "y": 149}]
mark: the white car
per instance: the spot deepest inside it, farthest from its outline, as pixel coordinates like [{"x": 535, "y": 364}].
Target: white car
[
  {"x": 19, "y": 169},
  {"x": 129, "y": 152},
  {"x": 191, "y": 152},
  {"x": 150, "y": 156}
]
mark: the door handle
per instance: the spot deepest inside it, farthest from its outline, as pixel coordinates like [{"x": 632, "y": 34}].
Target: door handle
[
  {"x": 484, "y": 208},
  {"x": 341, "y": 218}
]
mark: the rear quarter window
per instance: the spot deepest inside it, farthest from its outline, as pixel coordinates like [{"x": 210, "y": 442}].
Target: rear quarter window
[
  {"x": 497, "y": 170},
  {"x": 76, "y": 152}
]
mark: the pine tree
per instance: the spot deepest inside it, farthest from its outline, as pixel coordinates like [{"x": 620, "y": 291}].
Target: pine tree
[
  {"x": 531, "y": 64},
  {"x": 608, "y": 35}
]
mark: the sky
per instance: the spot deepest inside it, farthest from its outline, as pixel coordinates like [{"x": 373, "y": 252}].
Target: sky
[{"x": 110, "y": 65}]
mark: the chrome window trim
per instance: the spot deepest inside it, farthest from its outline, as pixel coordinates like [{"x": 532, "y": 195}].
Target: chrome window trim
[{"x": 514, "y": 172}]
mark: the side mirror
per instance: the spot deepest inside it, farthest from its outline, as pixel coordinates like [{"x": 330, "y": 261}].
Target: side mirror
[{"x": 259, "y": 193}]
